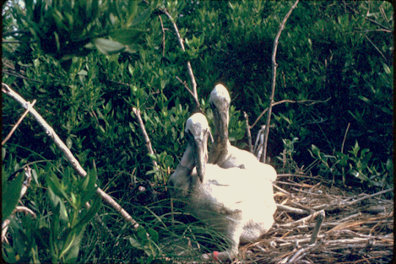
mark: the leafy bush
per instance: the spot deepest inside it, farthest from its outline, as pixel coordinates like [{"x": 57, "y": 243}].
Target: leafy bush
[
  {"x": 357, "y": 164},
  {"x": 56, "y": 235}
]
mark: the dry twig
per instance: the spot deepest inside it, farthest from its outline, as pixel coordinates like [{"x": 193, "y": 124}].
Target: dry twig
[
  {"x": 345, "y": 135},
  {"x": 190, "y": 71},
  {"x": 163, "y": 35},
  {"x": 301, "y": 253},
  {"x": 274, "y": 66},
  {"x": 248, "y": 131},
  {"x": 145, "y": 135},
  {"x": 307, "y": 102},
  {"x": 25, "y": 186},
  {"x": 17, "y": 123},
  {"x": 319, "y": 221},
  {"x": 291, "y": 209}
]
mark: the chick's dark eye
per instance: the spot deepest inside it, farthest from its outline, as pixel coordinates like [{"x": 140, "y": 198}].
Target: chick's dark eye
[{"x": 189, "y": 135}]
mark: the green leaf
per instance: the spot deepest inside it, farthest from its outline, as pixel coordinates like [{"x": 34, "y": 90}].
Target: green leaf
[
  {"x": 315, "y": 150},
  {"x": 135, "y": 243},
  {"x": 132, "y": 10},
  {"x": 126, "y": 36},
  {"x": 71, "y": 254},
  {"x": 108, "y": 46},
  {"x": 152, "y": 156},
  {"x": 364, "y": 99},
  {"x": 153, "y": 235},
  {"x": 141, "y": 234},
  {"x": 11, "y": 192},
  {"x": 140, "y": 18},
  {"x": 34, "y": 175},
  {"x": 55, "y": 202},
  {"x": 55, "y": 185},
  {"x": 386, "y": 69},
  {"x": 84, "y": 220}
]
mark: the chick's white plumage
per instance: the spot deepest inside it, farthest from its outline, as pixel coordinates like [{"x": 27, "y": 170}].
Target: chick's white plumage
[{"x": 236, "y": 202}]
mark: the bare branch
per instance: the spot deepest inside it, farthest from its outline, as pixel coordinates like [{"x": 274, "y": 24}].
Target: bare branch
[
  {"x": 26, "y": 183},
  {"x": 367, "y": 196},
  {"x": 188, "y": 89},
  {"x": 319, "y": 220},
  {"x": 145, "y": 135},
  {"x": 4, "y": 229},
  {"x": 307, "y": 101},
  {"x": 181, "y": 42},
  {"x": 18, "y": 75},
  {"x": 17, "y": 123},
  {"x": 274, "y": 66},
  {"x": 66, "y": 151},
  {"x": 344, "y": 203},
  {"x": 302, "y": 220},
  {"x": 345, "y": 135},
  {"x": 259, "y": 142},
  {"x": 163, "y": 36},
  {"x": 281, "y": 189},
  {"x": 25, "y": 210},
  {"x": 376, "y": 48},
  {"x": 286, "y": 208},
  {"x": 248, "y": 131},
  {"x": 301, "y": 253}
]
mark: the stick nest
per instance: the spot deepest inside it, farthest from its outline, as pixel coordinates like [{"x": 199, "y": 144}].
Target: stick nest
[{"x": 316, "y": 223}]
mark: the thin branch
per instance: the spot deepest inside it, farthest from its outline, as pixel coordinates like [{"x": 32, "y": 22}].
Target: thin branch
[
  {"x": 259, "y": 142},
  {"x": 290, "y": 209},
  {"x": 18, "y": 75},
  {"x": 301, "y": 253},
  {"x": 379, "y": 24},
  {"x": 319, "y": 221},
  {"x": 9, "y": 33},
  {"x": 181, "y": 42},
  {"x": 347, "y": 202},
  {"x": 4, "y": 229},
  {"x": 163, "y": 36},
  {"x": 17, "y": 124},
  {"x": 370, "y": 196},
  {"x": 274, "y": 66},
  {"x": 26, "y": 183},
  {"x": 16, "y": 41},
  {"x": 376, "y": 48},
  {"x": 281, "y": 189},
  {"x": 248, "y": 131},
  {"x": 25, "y": 210},
  {"x": 345, "y": 135},
  {"x": 302, "y": 220},
  {"x": 145, "y": 135},
  {"x": 66, "y": 151},
  {"x": 307, "y": 101},
  {"x": 25, "y": 186},
  {"x": 188, "y": 89}
]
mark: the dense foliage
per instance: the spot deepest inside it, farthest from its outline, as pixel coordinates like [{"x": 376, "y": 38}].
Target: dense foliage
[{"x": 87, "y": 63}]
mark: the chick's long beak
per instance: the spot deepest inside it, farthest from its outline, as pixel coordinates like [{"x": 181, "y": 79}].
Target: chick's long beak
[
  {"x": 201, "y": 158},
  {"x": 224, "y": 117},
  {"x": 221, "y": 119}
]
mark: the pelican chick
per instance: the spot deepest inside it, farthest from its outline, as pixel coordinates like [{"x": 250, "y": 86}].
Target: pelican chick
[{"x": 222, "y": 152}]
